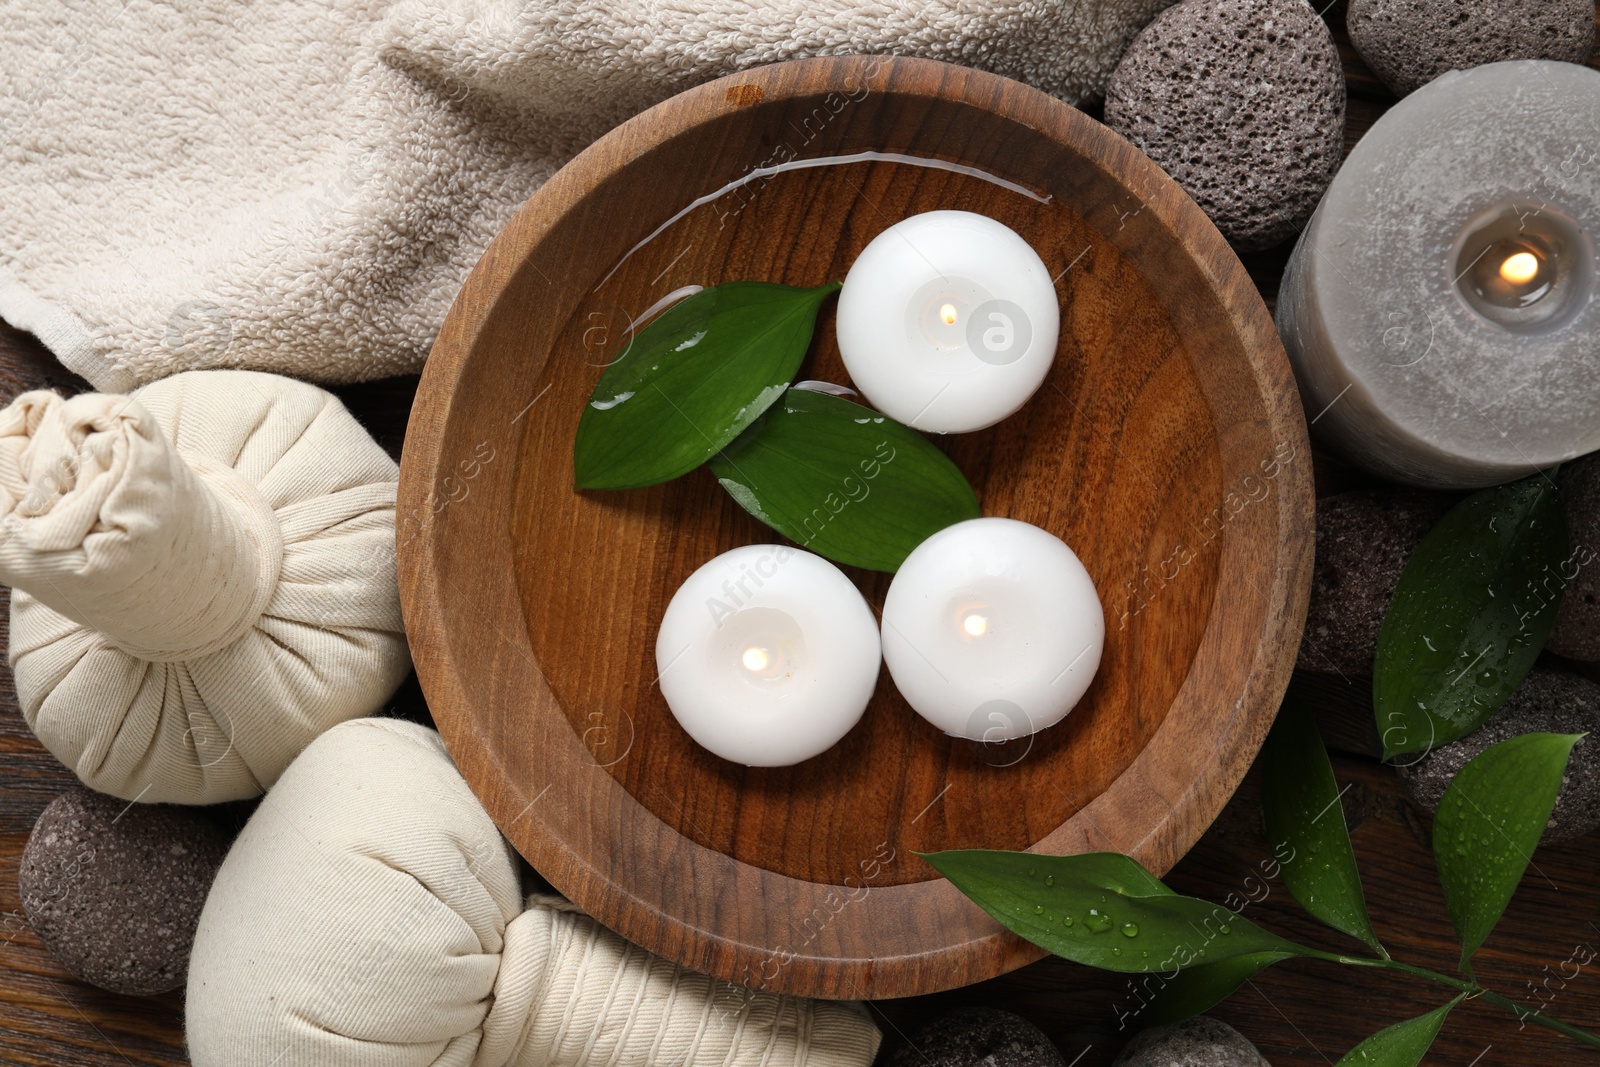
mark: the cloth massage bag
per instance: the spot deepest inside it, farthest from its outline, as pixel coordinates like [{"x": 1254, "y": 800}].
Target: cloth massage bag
[
  {"x": 370, "y": 915},
  {"x": 203, "y": 577}
]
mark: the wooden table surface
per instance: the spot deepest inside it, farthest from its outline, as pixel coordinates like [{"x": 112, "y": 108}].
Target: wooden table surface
[{"x": 1299, "y": 1013}]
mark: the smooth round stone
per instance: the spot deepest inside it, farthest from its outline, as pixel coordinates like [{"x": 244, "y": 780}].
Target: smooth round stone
[
  {"x": 1242, "y": 102},
  {"x": 1408, "y": 43},
  {"x": 1577, "y": 630},
  {"x": 1397, "y": 366},
  {"x": 1197, "y": 1042},
  {"x": 1364, "y": 539},
  {"x": 115, "y": 890},
  {"x": 978, "y": 1037},
  {"x": 1547, "y": 701}
]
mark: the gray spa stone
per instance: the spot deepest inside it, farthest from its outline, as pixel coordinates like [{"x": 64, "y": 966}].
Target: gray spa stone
[
  {"x": 978, "y": 1037},
  {"x": 1364, "y": 539},
  {"x": 1408, "y": 43},
  {"x": 1577, "y": 629},
  {"x": 1197, "y": 1042},
  {"x": 1547, "y": 701},
  {"x": 1242, "y": 102},
  {"x": 114, "y": 890}
]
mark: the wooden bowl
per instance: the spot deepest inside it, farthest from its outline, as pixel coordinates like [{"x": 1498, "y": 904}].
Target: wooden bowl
[{"x": 1167, "y": 447}]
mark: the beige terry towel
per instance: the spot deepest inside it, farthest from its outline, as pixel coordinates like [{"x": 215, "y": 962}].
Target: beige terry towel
[{"x": 301, "y": 186}]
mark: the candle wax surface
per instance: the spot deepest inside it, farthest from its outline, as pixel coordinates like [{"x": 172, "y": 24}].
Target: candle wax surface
[
  {"x": 1441, "y": 310},
  {"x": 767, "y": 655},
  {"x": 992, "y": 629},
  {"x": 948, "y": 321}
]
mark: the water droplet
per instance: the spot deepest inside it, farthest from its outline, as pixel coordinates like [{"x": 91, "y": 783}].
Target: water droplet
[
  {"x": 1066, "y": 920},
  {"x": 1097, "y": 921},
  {"x": 1049, "y": 879},
  {"x": 1130, "y": 929},
  {"x": 1116, "y": 952},
  {"x": 1227, "y": 929},
  {"x": 1031, "y": 872},
  {"x": 1202, "y": 952}
]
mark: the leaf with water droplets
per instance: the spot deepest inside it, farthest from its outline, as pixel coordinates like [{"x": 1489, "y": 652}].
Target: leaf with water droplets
[
  {"x": 844, "y": 481},
  {"x": 1173, "y": 998},
  {"x": 1106, "y": 892},
  {"x": 1304, "y": 816},
  {"x": 1473, "y": 608},
  {"x": 1401, "y": 1045},
  {"x": 1488, "y": 825},
  {"x": 691, "y": 381}
]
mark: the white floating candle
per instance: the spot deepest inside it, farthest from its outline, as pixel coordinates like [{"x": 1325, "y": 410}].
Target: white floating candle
[
  {"x": 768, "y": 655},
  {"x": 948, "y": 321},
  {"x": 992, "y": 629}
]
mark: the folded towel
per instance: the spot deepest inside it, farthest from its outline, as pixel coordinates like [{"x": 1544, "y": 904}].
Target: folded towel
[{"x": 301, "y": 186}]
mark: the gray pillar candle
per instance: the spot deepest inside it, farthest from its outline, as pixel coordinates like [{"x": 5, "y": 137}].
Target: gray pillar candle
[{"x": 1440, "y": 307}]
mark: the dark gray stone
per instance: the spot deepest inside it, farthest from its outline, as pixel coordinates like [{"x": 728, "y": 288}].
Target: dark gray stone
[
  {"x": 1408, "y": 43},
  {"x": 1197, "y": 1042},
  {"x": 978, "y": 1037},
  {"x": 1242, "y": 102},
  {"x": 1364, "y": 539},
  {"x": 1577, "y": 629},
  {"x": 1546, "y": 701},
  {"x": 115, "y": 890}
]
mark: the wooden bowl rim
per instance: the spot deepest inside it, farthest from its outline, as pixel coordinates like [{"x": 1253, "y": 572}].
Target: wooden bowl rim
[{"x": 975, "y": 947}]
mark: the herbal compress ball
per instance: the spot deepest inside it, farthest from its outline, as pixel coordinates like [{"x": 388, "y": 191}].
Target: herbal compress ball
[
  {"x": 114, "y": 890},
  {"x": 370, "y": 915},
  {"x": 204, "y": 579}
]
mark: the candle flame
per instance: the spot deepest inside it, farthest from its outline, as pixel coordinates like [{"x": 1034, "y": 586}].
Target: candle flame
[
  {"x": 1520, "y": 268},
  {"x": 947, "y": 312},
  {"x": 976, "y": 625},
  {"x": 755, "y": 659}
]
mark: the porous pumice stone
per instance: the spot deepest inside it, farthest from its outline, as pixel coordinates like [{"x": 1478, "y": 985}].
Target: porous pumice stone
[
  {"x": 1408, "y": 43},
  {"x": 114, "y": 890},
  {"x": 978, "y": 1037},
  {"x": 1553, "y": 701},
  {"x": 1197, "y": 1042},
  {"x": 1577, "y": 630},
  {"x": 1364, "y": 539},
  {"x": 1242, "y": 102}
]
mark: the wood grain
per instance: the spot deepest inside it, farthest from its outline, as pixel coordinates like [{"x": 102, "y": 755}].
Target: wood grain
[
  {"x": 1300, "y": 1014},
  {"x": 1167, "y": 447}
]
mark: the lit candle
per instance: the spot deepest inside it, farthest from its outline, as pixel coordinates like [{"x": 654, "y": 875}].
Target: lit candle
[
  {"x": 767, "y": 655},
  {"x": 1440, "y": 308},
  {"x": 948, "y": 321},
  {"x": 992, "y": 629}
]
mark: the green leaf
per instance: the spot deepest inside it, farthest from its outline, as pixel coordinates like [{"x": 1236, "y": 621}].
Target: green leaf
[
  {"x": 1474, "y": 605},
  {"x": 1104, "y": 910},
  {"x": 1401, "y": 1045},
  {"x": 1301, "y": 799},
  {"x": 1488, "y": 825},
  {"x": 691, "y": 381},
  {"x": 1197, "y": 989},
  {"x": 844, "y": 481}
]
